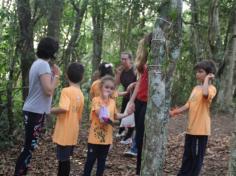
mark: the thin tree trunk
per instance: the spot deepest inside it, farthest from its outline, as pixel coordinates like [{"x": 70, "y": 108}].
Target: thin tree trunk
[
  {"x": 98, "y": 15},
  {"x": 80, "y": 11},
  {"x": 227, "y": 84},
  {"x": 196, "y": 39},
  {"x": 25, "y": 43},
  {"x": 214, "y": 38},
  {"x": 166, "y": 46},
  {"x": 55, "y": 14}
]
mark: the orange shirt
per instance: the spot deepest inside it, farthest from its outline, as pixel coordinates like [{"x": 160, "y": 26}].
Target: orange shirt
[
  {"x": 101, "y": 133},
  {"x": 95, "y": 90},
  {"x": 67, "y": 125},
  {"x": 199, "y": 122}
]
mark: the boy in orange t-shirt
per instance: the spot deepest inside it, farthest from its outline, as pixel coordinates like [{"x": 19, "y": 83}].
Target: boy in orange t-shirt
[
  {"x": 103, "y": 112},
  {"x": 199, "y": 123},
  {"x": 69, "y": 114}
]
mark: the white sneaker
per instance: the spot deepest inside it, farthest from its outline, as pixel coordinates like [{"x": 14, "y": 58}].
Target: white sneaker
[
  {"x": 127, "y": 141},
  {"x": 130, "y": 153}
]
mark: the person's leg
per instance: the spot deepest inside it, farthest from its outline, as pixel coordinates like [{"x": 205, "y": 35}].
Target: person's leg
[
  {"x": 187, "y": 160},
  {"x": 64, "y": 168},
  {"x": 140, "y": 117},
  {"x": 102, "y": 156},
  {"x": 129, "y": 133},
  {"x": 200, "y": 148},
  {"x": 63, "y": 156},
  {"x": 91, "y": 158},
  {"x": 33, "y": 126}
]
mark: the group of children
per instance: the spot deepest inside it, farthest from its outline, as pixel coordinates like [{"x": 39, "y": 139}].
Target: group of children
[{"x": 104, "y": 112}]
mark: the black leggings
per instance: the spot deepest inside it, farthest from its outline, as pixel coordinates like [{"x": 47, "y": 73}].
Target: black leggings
[
  {"x": 139, "y": 115},
  {"x": 33, "y": 126},
  {"x": 99, "y": 153}
]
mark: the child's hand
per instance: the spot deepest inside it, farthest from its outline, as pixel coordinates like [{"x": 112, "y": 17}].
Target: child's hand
[
  {"x": 210, "y": 76},
  {"x": 55, "y": 70},
  {"x": 131, "y": 107},
  {"x": 174, "y": 112}
]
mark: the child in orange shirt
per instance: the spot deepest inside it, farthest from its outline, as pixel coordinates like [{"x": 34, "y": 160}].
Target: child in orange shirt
[
  {"x": 199, "y": 123},
  {"x": 69, "y": 114},
  {"x": 103, "y": 111}
]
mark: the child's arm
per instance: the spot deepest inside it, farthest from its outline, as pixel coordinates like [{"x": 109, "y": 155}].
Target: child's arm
[
  {"x": 206, "y": 84},
  {"x": 119, "y": 116},
  {"x": 57, "y": 110},
  {"x": 178, "y": 111},
  {"x": 122, "y": 93}
]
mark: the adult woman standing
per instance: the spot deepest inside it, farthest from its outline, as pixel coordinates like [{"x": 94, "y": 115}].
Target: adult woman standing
[
  {"x": 125, "y": 76},
  {"x": 43, "y": 80}
]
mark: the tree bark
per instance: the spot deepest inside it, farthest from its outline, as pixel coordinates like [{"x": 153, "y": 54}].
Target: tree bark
[
  {"x": 54, "y": 18},
  {"x": 25, "y": 43},
  {"x": 98, "y": 15},
  {"x": 227, "y": 79},
  {"x": 196, "y": 39},
  {"x": 80, "y": 11},
  {"x": 214, "y": 38},
  {"x": 166, "y": 46},
  {"x": 232, "y": 160}
]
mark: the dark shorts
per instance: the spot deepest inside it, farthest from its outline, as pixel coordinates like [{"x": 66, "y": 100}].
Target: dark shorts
[{"x": 64, "y": 152}]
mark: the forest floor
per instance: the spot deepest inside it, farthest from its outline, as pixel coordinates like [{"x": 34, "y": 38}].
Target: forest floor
[{"x": 44, "y": 161}]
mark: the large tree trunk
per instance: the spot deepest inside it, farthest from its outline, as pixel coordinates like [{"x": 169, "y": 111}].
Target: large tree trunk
[
  {"x": 227, "y": 79},
  {"x": 166, "y": 47},
  {"x": 98, "y": 15},
  {"x": 25, "y": 44},
  {"x": 54, "y": 18}
]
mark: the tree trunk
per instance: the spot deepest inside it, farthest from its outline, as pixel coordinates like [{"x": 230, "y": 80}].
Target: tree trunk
[
  {"x": 25, "y": 44},
  {"x": 54, "y": 18},
  {"x": 214, "y": 38},
  {"x": 232, "y": 160},
  {"x": 166, "y": 47},
  {"x": 80, "y": 11},
  {"x": 227, "y": 79},
  {"x": 196, "y": 39},
  {"x": 98, "y": 14}
]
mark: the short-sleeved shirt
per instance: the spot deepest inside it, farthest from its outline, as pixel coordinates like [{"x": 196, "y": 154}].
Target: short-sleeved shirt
[
  {"x": 127, "y": 77},
  {"x": 37, "y": 101},
  {"x": 101, "y": 133},
  {"x": 143, "y": 86},
  {"x": 199, "y": 122},
  {"x": 67, "y": 125},
  {"x": 95, "y": 90}
]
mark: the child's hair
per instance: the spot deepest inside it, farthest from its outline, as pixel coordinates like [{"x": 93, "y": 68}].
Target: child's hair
[
  {"x": 105, "y": 69},
  {"x": 130, "y": 56},
  {"x": 207, "y": 65},
  {"x": 47, "y": 47},
  {"x": 75, "y": 72},
  {"x": 142, "y": 52},
  {"x": 107, "y": 78}
]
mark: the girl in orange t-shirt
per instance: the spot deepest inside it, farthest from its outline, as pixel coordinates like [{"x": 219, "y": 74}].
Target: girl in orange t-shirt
[{"x": 103, "y": 113}]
